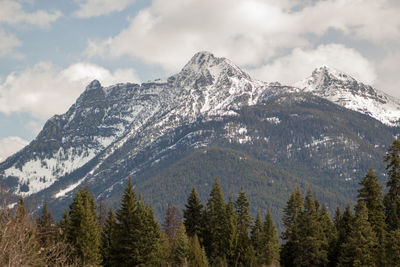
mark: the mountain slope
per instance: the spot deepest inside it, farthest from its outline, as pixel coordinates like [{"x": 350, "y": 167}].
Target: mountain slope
[
  {"x": 344, "y": 90},
  {"x": 300, "y": 135}
]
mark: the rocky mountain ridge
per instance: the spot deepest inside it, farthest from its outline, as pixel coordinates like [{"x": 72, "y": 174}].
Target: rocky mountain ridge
[{"x": 124, "y": 130}]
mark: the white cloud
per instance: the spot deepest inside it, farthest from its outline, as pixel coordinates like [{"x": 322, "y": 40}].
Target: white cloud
[
  {"x": 372, "y": 20},
  {"x": 93, "y": 8},
  {"x": 10, "y": 145},
  {"x": 8, "y": 43},
  {"x": 301, "y": 62},
  {"x": 250, "y": 32},
  {"x": 12, "y": 13},
  {"x": 169, "y": 32},
  {"x": 45, "y": 90},
  {"x": 388, "y": 74}
]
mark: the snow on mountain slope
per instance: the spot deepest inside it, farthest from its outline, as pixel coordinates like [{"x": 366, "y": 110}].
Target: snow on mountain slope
[
  {"x": 103, "y": 119},
  {"x": 107, "y": 120},
  {"x": 346, "y": 91},
  {"x": 205, "y": 88}
]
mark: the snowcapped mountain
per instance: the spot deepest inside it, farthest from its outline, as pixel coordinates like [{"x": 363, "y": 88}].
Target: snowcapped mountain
[
  {"x": 140, "y": 130},
  {"x": 346, "y": 91},
  {"x": 103, "y": 119}
]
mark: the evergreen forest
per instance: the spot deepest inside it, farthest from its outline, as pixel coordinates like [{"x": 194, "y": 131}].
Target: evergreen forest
[{"x": 219, "y": 232}]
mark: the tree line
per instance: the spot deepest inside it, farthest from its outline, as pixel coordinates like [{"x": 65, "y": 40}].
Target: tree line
[{"x": 215, "y": 233}]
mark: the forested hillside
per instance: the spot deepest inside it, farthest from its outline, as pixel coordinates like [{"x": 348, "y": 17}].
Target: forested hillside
[{"x": 212, "y": 233}]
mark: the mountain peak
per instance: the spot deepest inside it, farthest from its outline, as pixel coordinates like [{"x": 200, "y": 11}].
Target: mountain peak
[
  {"x": 324, "y": 77},
  {"x": 327, "y": 72},
  {"x": 202, "y": 60},
  {"x": 342, "y": 89},
  {"x": 95, "y": 84},
  {"x": 204, "y": 68}
]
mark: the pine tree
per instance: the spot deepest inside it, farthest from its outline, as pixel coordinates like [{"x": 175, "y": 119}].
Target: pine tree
[
  {"x": 136, "y": 232},
  {"x": 163, "y": 257},
  {"x": 107, "y": 237},
  {"x": 126, "y": 229},
  {"x": 149, "y": 236},
  {"x": 257, "y": 238},
  {"x": 216, "y": 231},
  {"x": 45, "y": 225},
  {"x": 343, "y": 223},
  {"x": 192, "y": 214},
  {"x": 181, "y": 247},
  {"x": 329, "y": 230},
  {"x": 290, "y": 236},
  {"x": 83, "y": 230},
  {"x": 243, "y": 251},
  {"x": 312, "y": 244},
  {"x": 392, "y": 198},
  {"x": 271, "y": 241},
  {"x": 232, "y": 231},
  {"x": 334, "y": 248},
  {"x": 393, "y": 248},
  {"x": 358, "y": 250},
  {"x": 197, "y": 255},
  {"x": 371, "y": 194}
]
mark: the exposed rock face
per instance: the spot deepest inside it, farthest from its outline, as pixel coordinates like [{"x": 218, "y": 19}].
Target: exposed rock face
[{"x": 124, "y": 130}]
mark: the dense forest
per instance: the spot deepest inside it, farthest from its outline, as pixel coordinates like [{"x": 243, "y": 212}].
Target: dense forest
[{"x": 215, "y": 233}]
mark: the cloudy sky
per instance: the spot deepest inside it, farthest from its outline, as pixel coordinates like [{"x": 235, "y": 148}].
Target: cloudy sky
[{"x": 50, "y": 50}]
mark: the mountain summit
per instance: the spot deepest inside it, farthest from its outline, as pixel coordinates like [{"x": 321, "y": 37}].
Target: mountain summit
[
  {"x": 210, "y": 119},
  {"x": 346, "y": 91}
]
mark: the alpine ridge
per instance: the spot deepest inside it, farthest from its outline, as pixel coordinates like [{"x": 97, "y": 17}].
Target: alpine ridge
[
  {"x": 346, "y": 91},
  {"x": 211, "y": 112}
]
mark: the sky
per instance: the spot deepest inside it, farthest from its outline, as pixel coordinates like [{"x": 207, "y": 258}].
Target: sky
[{"x": 50, "y": 50}]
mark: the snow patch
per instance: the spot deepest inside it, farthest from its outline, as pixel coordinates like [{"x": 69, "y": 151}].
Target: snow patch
[
  {"x": 273, "y": 120},
  {"x": 12, "y": 205},
  {"x": 38, "y": 174},
  {"x": 65, "y": 191}
]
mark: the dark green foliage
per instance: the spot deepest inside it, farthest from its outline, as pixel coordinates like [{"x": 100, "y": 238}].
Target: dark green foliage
[
  {"x": 271, "y": 242},
  {"x": 311, "y": 243},
  {"x": 137, "y": 233},
  {"x": 83, "y": 230},
  {"x": 268, "y": 186},
  {"x": 343, "y": 223},
  {"x": 392, "y": 198},
  {"x": 359, "y": 248},
  {"x": 216, "y": 231},
  {"x": 290, "y": 235},
  {"x": 334, "y": 250},
  {"x": 232, "y": 230},
  {"x": 243, "y": 251},
  {"x": 310, "y": 238},
  {"x": 107, "y": 238},
  {"x": 257, "y": 238},
  {"x": 330, "y": 231},
  {"x": 393, "y": 248},
  {"x": 371, "y": 194},
  {"x": 192, "y": 214}
]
